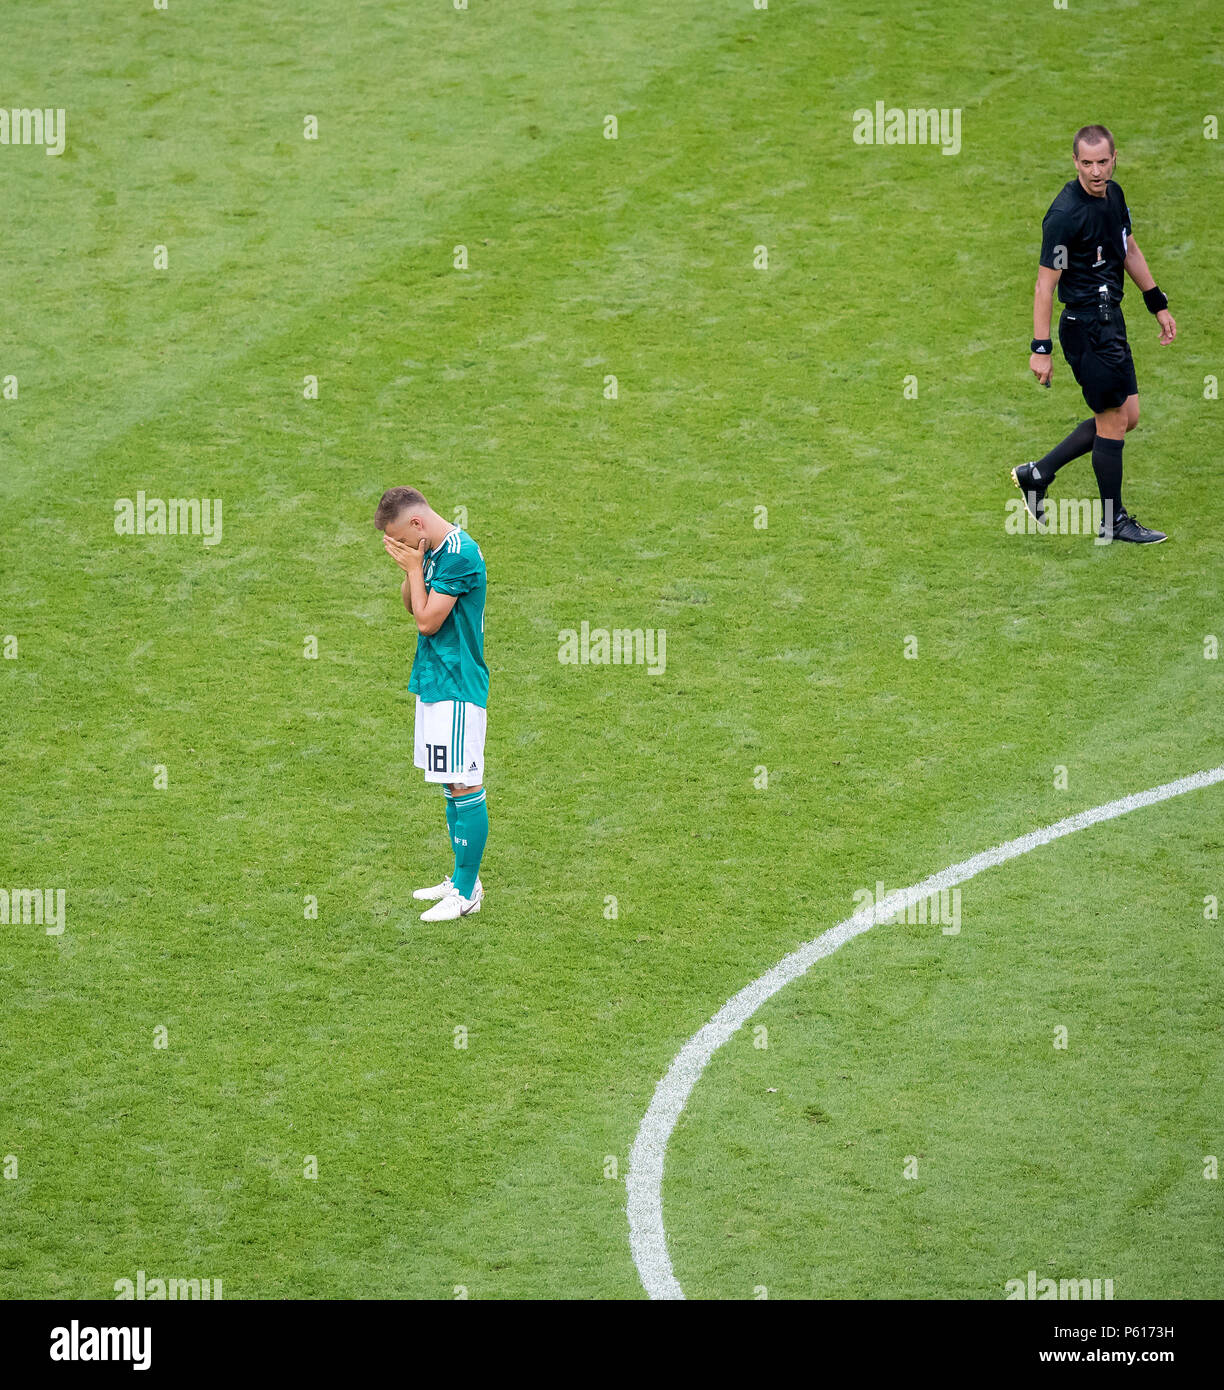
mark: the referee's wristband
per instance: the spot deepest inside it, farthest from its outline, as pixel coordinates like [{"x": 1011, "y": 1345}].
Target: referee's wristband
[
  {"x": 1044, "y": 346},
  {"x": 1155, "y": 299}
]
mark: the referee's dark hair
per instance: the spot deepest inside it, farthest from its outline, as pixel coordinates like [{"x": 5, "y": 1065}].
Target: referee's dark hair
[{"x": 1094, "y": 134}]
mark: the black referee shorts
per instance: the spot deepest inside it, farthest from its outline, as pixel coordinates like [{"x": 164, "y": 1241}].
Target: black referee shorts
[{"x": 1099, "y": 356}]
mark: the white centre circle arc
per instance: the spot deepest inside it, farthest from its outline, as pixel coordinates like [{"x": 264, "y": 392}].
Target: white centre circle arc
[{"x": 644, "y": 1180}]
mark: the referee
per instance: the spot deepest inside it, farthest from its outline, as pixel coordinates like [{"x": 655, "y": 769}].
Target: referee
[{"x": 1085, "y": 246}]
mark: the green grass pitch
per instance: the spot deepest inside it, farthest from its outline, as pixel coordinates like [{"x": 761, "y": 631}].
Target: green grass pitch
[{"x": 917, "y": 683}]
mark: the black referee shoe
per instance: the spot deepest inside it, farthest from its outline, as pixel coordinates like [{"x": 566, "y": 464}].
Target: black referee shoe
[
  {"x": 1033, "y": 492},
  {"x": 1126, "y": 528}
]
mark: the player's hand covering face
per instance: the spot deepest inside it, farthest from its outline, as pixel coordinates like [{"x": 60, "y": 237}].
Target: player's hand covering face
[{"x": 407, "y": 557}]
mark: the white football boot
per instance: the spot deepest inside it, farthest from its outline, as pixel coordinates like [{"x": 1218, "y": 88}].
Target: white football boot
[
  {"x": 431, "y": 895},
  {"x": 455, "y": 905}
]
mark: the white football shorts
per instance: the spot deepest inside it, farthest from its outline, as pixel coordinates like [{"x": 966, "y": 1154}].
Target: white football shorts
[{"x": 449, "y": 741}]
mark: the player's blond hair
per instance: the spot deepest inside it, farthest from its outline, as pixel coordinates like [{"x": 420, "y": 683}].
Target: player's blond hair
[{"x": 396, "y": 500}]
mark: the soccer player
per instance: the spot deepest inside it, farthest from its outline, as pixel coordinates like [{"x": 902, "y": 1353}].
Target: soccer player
[
  {"x": 444, "y": 590},
  {"x": 1085, "y": 247}
]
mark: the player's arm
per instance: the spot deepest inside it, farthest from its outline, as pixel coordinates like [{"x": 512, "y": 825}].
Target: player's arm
[
  {"x": 433, "y": 611},
  {"x": 430, "y": 608},
  {"x": 1137, "y": 268},
  {"x": 398, "y": 551},
  {"x": 1041, "y": 364}
]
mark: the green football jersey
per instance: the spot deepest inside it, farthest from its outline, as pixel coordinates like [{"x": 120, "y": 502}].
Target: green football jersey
[{"x": 450, "y": 665}]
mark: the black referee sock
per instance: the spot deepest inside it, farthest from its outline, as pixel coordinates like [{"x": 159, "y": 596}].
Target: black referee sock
[
  {"x": 1107, "y": 465},
  {"x": 1076, "y": 444}
]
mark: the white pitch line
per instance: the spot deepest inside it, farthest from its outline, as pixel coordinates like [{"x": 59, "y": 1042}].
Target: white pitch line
[{"x": 644, "y": 1180}]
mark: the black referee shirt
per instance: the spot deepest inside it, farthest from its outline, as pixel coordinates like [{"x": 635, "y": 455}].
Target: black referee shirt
[{"x": 1093, "y": 232}]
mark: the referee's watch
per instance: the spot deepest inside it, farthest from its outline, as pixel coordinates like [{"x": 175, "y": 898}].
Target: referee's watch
[{"x": 1042, "y": 346}]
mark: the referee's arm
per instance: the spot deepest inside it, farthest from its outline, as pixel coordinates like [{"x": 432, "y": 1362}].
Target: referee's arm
[
  {"x": 1137, "y": 268},
  {"x": 1042, "y": 364}
]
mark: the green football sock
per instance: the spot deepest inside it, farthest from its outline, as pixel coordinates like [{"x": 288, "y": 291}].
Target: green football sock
[
  {"x": 469, "y": 836},
  {"x": 451, "y": 817}
]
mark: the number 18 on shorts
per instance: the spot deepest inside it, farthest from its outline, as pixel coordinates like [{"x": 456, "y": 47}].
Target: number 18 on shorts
[{"x": 449, "y": 741}]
